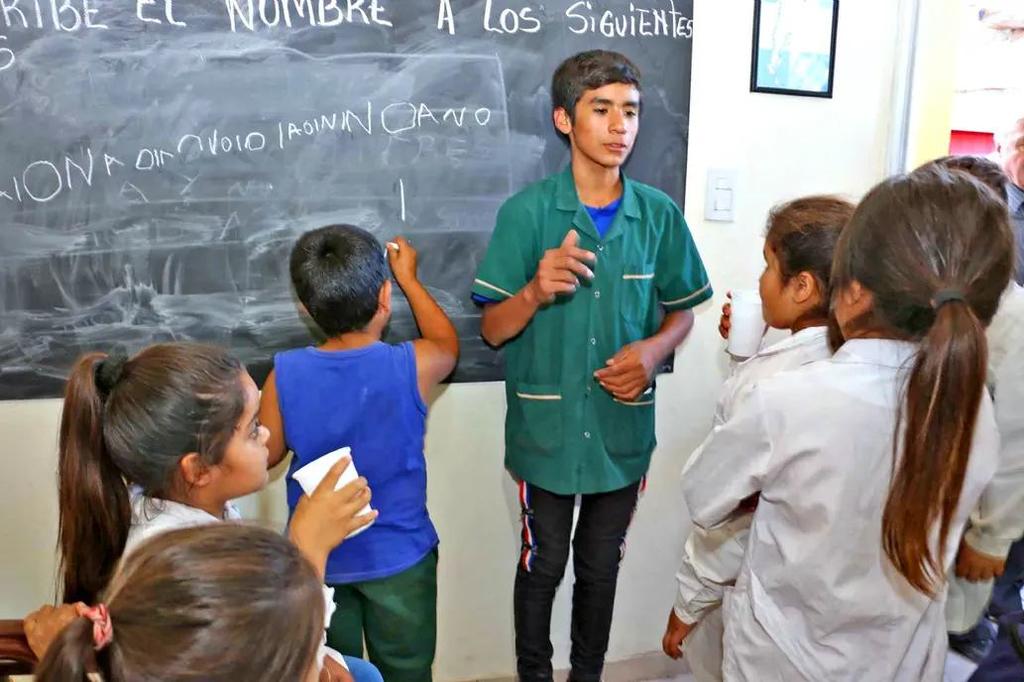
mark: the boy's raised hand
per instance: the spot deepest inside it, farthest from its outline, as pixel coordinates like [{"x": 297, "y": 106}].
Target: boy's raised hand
[
  {"x": 402, "y": 260},
  {"x": 560, "y": 269},
  {"x": 322, "y": 520}
]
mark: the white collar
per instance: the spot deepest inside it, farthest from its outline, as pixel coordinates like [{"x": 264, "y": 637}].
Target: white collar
[
  {"x": 884, "y": 352},
  {"x": 804, "y": 337}
]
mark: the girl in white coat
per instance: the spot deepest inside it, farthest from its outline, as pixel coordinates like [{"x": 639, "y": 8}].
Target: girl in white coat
[
  {"x": 868, "y": 463},
  {"x": 999, "y": 519},
  {"x": 794, "y": 287}
]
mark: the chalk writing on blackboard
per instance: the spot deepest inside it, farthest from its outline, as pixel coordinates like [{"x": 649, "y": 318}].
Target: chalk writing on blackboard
[{"x": 158, "y": 158}]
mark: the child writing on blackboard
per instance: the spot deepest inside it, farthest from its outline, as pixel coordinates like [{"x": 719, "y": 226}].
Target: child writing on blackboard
[
  {"x": 588, "y": 283},
  {"x": 356, "y": 391}
]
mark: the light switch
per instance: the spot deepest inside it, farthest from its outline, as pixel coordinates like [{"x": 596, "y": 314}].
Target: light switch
[
  {"x": 723, "y": 199},
  {"x": 720, "y": 199}
]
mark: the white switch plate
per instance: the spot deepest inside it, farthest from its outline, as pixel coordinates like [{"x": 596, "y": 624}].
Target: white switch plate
[{"x": 720, "y": 198}]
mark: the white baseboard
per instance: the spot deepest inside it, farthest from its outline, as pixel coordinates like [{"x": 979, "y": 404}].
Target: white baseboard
[{"x": 650, "y": 666}]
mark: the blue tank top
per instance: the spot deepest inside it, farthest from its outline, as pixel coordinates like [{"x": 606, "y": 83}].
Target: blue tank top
[{"x": 367, "y": 399}]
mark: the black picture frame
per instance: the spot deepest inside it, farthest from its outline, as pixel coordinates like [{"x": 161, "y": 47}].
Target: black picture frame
[{"x": 762, "y": 80}]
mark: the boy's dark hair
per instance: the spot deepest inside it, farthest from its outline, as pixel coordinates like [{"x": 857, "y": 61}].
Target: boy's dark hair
[
  {"x": 983, "y": 169},
  {"x": 803, "y": 233},
  {"x": 337, "y": 272},
  {"x": 588, "y": 71}
]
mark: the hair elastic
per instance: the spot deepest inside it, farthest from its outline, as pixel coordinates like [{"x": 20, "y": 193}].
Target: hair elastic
[
  {"x": 944, "y": 296},
  {"x": 102, "y": 628}
]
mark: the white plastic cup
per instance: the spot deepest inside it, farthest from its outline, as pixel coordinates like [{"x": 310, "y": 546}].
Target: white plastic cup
[
  {"x": 309, "y": 478},
  {"x": 746, "y": 323}
]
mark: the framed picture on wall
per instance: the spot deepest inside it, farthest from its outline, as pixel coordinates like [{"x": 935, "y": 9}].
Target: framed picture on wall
[{"x": 794, "y": 49}]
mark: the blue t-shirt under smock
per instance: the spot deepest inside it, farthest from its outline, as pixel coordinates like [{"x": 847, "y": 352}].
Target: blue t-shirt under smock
[
  {"x": 367, "y": 399},
  {"x": 603, "y": 216}
]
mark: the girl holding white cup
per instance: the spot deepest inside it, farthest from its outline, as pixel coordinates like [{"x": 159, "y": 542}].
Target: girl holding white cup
[{"x": 793, "y": 293}]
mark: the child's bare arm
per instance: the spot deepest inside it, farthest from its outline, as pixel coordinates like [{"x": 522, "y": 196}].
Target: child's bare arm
[
  {"x": 270, "y": 416},
  {"x": 438, "y": 350},
  {"x": 502, "y": 321}
]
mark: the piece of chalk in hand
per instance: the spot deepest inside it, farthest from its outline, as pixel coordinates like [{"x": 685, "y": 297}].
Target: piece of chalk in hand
[{"x": 392, "y": 245}]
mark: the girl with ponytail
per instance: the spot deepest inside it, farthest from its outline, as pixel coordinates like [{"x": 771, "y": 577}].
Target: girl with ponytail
[
  {"x": 154, "y": 421},
  {"x": 869, "y": 463},
  {"x": 178, "y": 423},
  {"x": 165, "y": 440}
]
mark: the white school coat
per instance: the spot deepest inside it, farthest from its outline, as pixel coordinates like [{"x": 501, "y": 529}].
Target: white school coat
[
  {"x": 711, "y": 559},
  {"x": 152, "y": 516},
  {"x": 999, "y": 519},
  {"x": 816, "y": 598}
]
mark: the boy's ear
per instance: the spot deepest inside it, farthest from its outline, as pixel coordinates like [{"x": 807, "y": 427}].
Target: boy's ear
[
  {"x": 194, "y": 471},
  {"x": 562, "y": 120},
  {"x": 384, "y": 297}
]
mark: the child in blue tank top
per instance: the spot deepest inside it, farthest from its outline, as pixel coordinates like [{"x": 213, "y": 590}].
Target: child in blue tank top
[{"x": 356, "y": 391}]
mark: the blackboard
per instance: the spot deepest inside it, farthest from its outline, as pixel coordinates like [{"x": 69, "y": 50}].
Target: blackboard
[{"x": 158, "y": 158}]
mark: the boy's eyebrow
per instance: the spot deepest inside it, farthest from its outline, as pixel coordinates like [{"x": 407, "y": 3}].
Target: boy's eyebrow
[{"x": 604, "y": 101}]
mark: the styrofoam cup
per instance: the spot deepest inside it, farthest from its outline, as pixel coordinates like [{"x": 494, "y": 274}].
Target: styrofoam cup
[
  {"x": 746, "y": 323},
  {"x": 309, "y": 477}
]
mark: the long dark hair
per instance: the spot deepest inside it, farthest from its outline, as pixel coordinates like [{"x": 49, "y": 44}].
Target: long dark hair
[
  {"x": 218, "y": 603},
  {"x": 935, "y": 250},
  {"x": 131, "y": 421}
]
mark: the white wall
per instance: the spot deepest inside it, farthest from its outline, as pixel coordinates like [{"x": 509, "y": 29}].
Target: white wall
[{"x": 781, "y": 147}]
